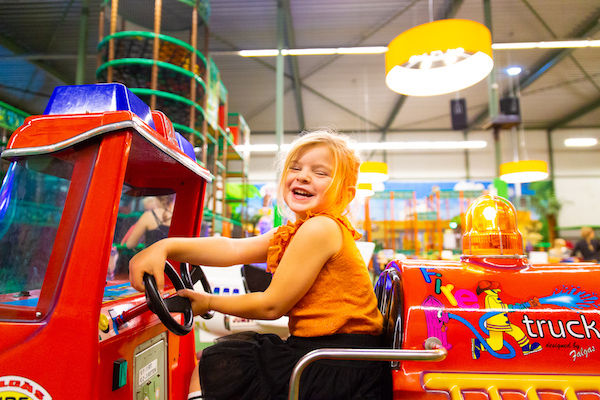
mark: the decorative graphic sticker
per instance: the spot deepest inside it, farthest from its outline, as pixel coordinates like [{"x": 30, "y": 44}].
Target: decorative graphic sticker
[
  {"x": 496, "y": 324},
  {"x": 20, "y": 388},
  {"x": 498, "y": 331}
]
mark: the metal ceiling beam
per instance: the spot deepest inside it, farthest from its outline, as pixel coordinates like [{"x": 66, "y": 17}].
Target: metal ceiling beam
[
  {"x": 81, "y": 47},
  {"x": 547, "y": 63},
  {"x": 280, "y": 75},
  {"x": 587, "y": 30},
  {"x": 329, "y": 61},
  {"x": 17, "y": 49},
  {"x": 575, "y": 114},
  {"x": 341, "y": 107},
  {"x": 363, "y": 38},
  {"x": 59, "y": 24},
  {"x": 303, "y": 85},
  {"x": 451, "y": 9},
  {"x": 39, "y": 56},
  {"x": 440, "y": 130},
  {"x": 391, "y": 117},
  {"x": 293, "y": 64}
]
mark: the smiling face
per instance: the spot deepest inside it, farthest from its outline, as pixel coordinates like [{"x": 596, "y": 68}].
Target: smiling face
[{"x": 308, "y": 179}]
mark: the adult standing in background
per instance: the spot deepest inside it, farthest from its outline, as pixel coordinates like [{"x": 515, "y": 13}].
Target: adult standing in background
[
  {"x": 153, "y": 224},
  {"x": 587, "y": 248}
]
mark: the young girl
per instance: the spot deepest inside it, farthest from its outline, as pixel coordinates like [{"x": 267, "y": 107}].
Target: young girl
[{"x": 319, "y": 280}]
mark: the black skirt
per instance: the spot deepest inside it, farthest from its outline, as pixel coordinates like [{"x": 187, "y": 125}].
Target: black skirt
[{"x": 253, "y": 366}]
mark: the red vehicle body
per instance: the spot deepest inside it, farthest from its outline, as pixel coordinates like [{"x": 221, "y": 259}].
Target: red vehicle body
[
  {"x": 59, "y": 339},
  {"x": 511, "y": 330}
]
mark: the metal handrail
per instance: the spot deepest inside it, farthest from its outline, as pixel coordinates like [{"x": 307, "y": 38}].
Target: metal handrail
[{"x": 434, "y": 352}]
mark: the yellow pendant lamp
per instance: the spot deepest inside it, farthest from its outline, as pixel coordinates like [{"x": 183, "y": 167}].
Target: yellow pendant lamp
[
  {"x": 373, "y": 172},
  {"x": 439, "y": 57},
  {"x": 364, "y": 190},
  {"x": 524, "y": 171}
]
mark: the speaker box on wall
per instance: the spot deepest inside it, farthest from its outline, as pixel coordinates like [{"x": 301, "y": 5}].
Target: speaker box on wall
[
  {"x": 510, "y": 106},
  {"x": 458, "y": 112}
]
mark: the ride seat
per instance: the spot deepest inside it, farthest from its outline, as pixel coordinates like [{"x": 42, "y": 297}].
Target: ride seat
[
  {"x": 255, "y": 278},
  {"x": 389, "y": 293}
]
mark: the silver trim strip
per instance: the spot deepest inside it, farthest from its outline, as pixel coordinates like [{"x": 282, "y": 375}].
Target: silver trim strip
[
  {"x": 501, "y": 256},
  {"x": 134, "y": 123}
]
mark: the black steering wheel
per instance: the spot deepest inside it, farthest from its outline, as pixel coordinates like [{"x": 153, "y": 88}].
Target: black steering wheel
[
  {"x": 163, "y": 307},
  {"x": 191, "y": 275}
]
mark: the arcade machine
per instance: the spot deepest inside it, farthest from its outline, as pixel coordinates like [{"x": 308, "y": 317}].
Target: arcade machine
[
  {"x": 510, "y": 330},
  {"x": 500, "y": 327},
  {"x": 67, "y": 328}
]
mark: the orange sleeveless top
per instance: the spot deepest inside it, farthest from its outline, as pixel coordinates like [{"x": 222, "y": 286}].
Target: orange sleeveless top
[{"x": 342, "y": 299}]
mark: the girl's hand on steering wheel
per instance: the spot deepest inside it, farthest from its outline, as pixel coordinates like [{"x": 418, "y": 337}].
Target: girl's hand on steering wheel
[
  {"x": 150, "y": 260},
  {"x": 200, "y": 300}
]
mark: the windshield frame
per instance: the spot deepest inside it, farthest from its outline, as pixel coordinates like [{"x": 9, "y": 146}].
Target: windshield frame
[{"x": 83, "y": 161}]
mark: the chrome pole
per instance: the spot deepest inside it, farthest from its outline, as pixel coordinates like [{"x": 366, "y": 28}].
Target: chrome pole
[{"x": 434, "y": 352}]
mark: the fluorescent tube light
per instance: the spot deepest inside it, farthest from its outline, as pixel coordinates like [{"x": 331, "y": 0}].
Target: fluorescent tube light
[
  {"x": 514, "y": 71},
  {"x": 261, "y": 148},
  {"x": 558, "y": 44},
  {"x": 362, "y": 50},
  {"x": 311, "y": 52},
  {"x": 581, "y": 142},
  {"x": 259, "y": 53},
  {"x": 324, "y": 51},
  {"x": 388, "y": 146},
  {"x": 423, "y": 145}
]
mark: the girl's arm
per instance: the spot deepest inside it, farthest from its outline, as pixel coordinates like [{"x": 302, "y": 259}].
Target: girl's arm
[
  {"x": 317, "y": 240},
  {"x": 135, "y": 233},
  {"x": 212, "y": 251}
]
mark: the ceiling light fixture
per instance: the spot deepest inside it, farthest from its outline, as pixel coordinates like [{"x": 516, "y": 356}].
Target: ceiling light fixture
[
  {"x": 561, "y": 44},
  {"x": 439, "y": 57},
  {"x": 373, "y": 172},
  {"x": 364, "y": 190},
  {"x": 324, "y": 51},
  {"x": 581, "y": 142},
  {"x": 523, "y": 171},
  {"x": 513, "y": 71},
  {"x": 556, "y": 44},
  {"x": 448, "y": 145}
]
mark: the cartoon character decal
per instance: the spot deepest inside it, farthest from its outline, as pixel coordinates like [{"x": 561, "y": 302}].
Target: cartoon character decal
[
  {"x": 437, "y": 320},
  {"x": 497, "y": 323}
]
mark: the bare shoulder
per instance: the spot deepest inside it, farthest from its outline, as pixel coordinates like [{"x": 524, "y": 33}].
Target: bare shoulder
[
  {"x": 321, "y": 227},
  {"x": 146, "y": 218}
]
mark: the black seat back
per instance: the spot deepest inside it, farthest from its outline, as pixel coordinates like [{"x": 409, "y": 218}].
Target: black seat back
[
  {"x": 255, "y": 279},
  {"x": 390, "y": 297}
]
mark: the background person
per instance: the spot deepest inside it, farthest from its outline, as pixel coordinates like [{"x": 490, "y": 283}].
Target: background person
[
  {"x": 313, "y": 261},
  {"x": 587, "y": 248},
  {"x": 153, "y": 225},
  {"x": 559, "y": 252}
]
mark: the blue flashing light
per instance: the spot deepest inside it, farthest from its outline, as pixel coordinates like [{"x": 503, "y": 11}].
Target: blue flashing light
[{"x": 102, "y": 97}]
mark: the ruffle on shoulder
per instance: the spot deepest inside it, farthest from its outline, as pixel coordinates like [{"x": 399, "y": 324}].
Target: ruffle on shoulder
[
  {"x": 278, "y": 244},
  {"x": 284, "y": 234},
  {"x": 355, "y": 235}
]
